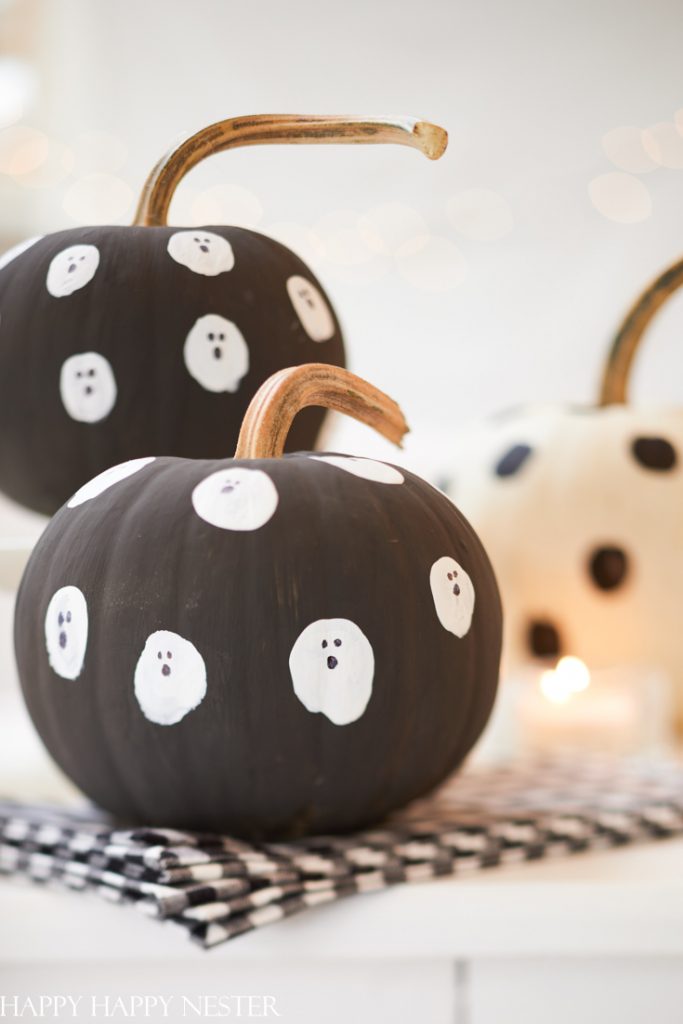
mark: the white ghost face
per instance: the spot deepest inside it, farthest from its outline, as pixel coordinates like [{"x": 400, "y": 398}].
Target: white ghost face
[
  {"x": 170, "y": 678},
  {"x": 72, "y": 269},
  {"x": 202, "y": 252},
  {"x": 368, "y": 469},
  {"x": 332, "y": 665},
  {"x": 216, "y": 354},
  {"x": 103, "y": 481},
  {"x": 66, "y": 632},
  {"x": 453, "y": 595},
  {"x": 311, "y": 308},
  {"x": 87, "y": 387},
  {"x": 17, "y": 250},
  {"x": 236, "y": 499}
]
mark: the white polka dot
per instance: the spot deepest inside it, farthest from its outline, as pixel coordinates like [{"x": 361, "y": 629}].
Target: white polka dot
[
  {"x": 216, "y": 354},
  {"x": 17, "y": 250},
  {"x": 103, "y": 481},
  {"x": 620, "y": 197},
  {"x": 236, "y": 498},
  {"x": 431, "y": 263},
  {"x": 453, "y": 595},
  {"x": 98, "y": 199},
  {"x": 368, "y": 469},
  {"x": 332, "y": 665},
  {"x": 88, "y": 387},
  {"x": 624, "y": 147},
  {"x": 480, "y": 214},
  {"x": 202, "y": 252},
  {"x": 66, "y": 632},
  {"x": 72, "y": 269},
  {"x": 170, "y": 678},
  {"x": 311, "y": 308}
]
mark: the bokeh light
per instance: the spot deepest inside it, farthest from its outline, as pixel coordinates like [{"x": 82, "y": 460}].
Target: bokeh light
[
  {"x": 431, "y": 263},
  {"x": 620, "y": 197},
  {"x": 625, "y": 148},
  {"x": 98, "y": 199}
]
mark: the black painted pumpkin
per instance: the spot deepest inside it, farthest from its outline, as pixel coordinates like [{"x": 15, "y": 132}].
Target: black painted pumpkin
[
  {"x": 118, "y": 342},
  {"x": 262, "y": 645}
]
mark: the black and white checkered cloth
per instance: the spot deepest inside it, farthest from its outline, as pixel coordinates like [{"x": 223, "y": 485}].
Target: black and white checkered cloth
[{"x": 218, "y": 888}]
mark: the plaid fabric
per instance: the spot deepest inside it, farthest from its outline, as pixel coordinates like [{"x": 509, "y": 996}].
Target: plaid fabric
[{"x": 218, "y": 888}]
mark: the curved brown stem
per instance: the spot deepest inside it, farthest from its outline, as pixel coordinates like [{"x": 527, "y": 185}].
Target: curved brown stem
[
  {"x": 263, "y": 129},
  {"x": 276, "y": 403},
  {"x": 615, "y": 378}
]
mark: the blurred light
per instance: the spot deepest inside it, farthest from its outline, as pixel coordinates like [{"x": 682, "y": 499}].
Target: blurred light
[
  {"x": 342, "y": 238},
  {"x": 297, "y": 237},
  {"x": 19, "y": 86},
  {"x": 620, "y": 197},
  {"x": 99, "y": 152},
  {"x": 22, "y": 150},
  {"x": 480, "y": 214},
  {"x": 181, "y": 206},
  {"x": 98, "y": 199},
  {"x": 625, "y": 148},
  {"x": 569, "y": 676},
  {"x": 664, "y": 144},
  {"x": 431, "y": 263},
  {"x": 57, "y": 166},
  {"x": 226, "y": 204},
  {"x": 386, "y": 227}
]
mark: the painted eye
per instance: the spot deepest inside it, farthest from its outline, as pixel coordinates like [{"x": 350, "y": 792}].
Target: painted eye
[
  {"x": 91, "y": 373},
  {"x": 196, "y": 239},
  {"x": 68, "y": 616},
  {"x": 211, "y": 336},
  {"x": 221, "y": 337},
  {"x": 60, "y": 619},
  {"x": 324, "y": 643},
  {"x": 159, "y": 655},
  {"x": 79, "y": 373},
  {"x": 337, "y": 643},
  {"x": 208, "y": 241},
  {"x": 450, "y": 575},
  {"x": 169, "y": 655},
  {"x": 82, "y": 258}
]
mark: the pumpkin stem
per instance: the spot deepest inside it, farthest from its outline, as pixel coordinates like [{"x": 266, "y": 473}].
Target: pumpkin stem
[
  {"x": 262, "y": 129},
  {"x": 272, "y": 409},
  {"x": 615, "y": 377}
]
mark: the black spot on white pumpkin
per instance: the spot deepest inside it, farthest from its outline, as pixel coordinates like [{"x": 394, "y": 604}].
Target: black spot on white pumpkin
[
  {"x": 513, "y": 460},
  {"x": 608, "y": 567},
  {"x": 654, "y": 453},
  {"x": 543, "y": 639}
]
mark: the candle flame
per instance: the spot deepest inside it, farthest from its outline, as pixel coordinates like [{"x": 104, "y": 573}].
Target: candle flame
[{"x": 569, "y": 676}]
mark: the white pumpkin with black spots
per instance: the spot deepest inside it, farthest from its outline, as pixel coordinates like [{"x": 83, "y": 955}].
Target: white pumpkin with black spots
[
  {"x": 216, "y": 354},
  {"x": 170, "y": 678},
  {"x": 579, "y": 509},
  {"x": 311, "y": 308},
  {"x": 88, "y": 387},
  {"x": 202, "y": 252},
  {"x": 453, "y": 595},
  {"x": 332, "y": 665},
  {"x": 72, "y": 269},
  {"x": 66, "y": 632},
  {"x": 236, "y": 499}
]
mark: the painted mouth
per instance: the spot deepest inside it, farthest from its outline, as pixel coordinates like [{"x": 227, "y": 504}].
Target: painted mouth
[
  {"x": 332, "y": 661},
  {"x": 62, "y": 639},
  {"x": 166, "y": 670}
]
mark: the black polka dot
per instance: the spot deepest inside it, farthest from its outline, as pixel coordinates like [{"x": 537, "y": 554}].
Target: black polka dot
[
  {"x": 654, "y": 453},
  {"x": 608, "y": 567},
  {"x": 513, "y": 460},
  {"x": 543, "y": 639}
]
